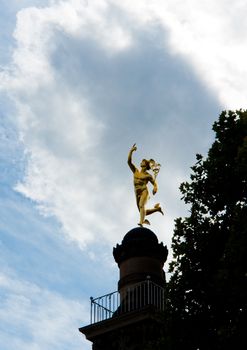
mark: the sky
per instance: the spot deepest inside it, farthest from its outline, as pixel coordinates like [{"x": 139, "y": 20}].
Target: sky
[{"x": 81, "y": 81}]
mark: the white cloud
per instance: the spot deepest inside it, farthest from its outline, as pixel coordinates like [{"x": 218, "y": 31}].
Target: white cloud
[
  {"x": 56, "y": 127},
  {"x": 36, "y": 318},
  {"x": 36, "y": 31},
  {"x": 210, "y": 35}
]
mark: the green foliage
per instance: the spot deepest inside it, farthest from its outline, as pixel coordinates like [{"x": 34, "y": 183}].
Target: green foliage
[{"x": 208, "y": 287}]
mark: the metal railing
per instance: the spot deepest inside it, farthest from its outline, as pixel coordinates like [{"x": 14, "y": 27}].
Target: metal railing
[{"x": 131, "y": 299}]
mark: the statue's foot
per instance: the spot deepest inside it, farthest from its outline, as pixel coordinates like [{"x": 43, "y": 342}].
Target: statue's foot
[
  {"x": 146, "y": 222},
  {"x": 140, "y": 224},
  {"x": 158, "y": 207}
]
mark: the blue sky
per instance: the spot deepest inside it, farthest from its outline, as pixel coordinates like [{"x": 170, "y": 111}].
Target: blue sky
[{"x": 80, "y": 82}]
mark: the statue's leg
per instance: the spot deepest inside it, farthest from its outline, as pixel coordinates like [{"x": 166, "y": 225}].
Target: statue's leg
[
  {"x": 156, "y": 208},
  {"x": 159, "y": 208},
  {"x": 151, "y": 211},
  {"x": 142, "y": 202}
]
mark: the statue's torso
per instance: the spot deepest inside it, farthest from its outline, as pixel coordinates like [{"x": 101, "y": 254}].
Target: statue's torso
[{"x": 140, "y": 180}]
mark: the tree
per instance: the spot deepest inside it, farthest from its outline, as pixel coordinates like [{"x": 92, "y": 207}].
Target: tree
[{"x": 208, "y": 287}]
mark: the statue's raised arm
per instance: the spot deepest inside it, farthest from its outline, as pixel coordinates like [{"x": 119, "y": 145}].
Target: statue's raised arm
[
  {"x": 131, "y": 165},
  {"x": 141, "y": 179}
]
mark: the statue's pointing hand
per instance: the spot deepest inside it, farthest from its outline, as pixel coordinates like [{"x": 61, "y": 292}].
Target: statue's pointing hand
[{"x": 134, "y": 148}]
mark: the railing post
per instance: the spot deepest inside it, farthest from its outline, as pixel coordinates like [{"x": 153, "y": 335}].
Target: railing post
[{"x": 91, "y": 311}]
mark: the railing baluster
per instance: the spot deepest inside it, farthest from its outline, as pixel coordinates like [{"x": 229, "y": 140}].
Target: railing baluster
[
  {"x": 139, "y": 297},
  {"x": 128, "y": 299},
  {"x": 97, "y": 312},
  {"x": 133, "y": 300},
  {"x": 113, "y": 302},
  {"x": 101, "y": 310},
  {"x": 144, "y": 299},
  {"x": 105, "y": 308},
  {"x": 156, "y": 297},
  {"x": 94, "y": 312}
]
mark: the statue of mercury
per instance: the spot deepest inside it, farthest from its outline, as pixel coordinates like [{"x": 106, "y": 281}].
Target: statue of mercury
[{"x": 141, "y": 179}]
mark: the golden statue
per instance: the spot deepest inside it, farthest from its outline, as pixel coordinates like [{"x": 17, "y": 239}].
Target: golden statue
[{"x": 141, "y": 179}]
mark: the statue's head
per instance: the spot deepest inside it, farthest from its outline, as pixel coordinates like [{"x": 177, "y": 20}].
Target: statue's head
[{"x": 145, "y": 164}]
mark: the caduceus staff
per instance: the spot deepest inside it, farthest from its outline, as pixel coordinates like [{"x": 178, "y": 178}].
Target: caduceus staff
[
  {"x": 155, "y": 167},
  {"x": 141, "y": 179}
]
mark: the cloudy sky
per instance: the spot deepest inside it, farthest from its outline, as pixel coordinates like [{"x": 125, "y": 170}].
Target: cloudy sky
[{"x": 80, "y": 82}]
